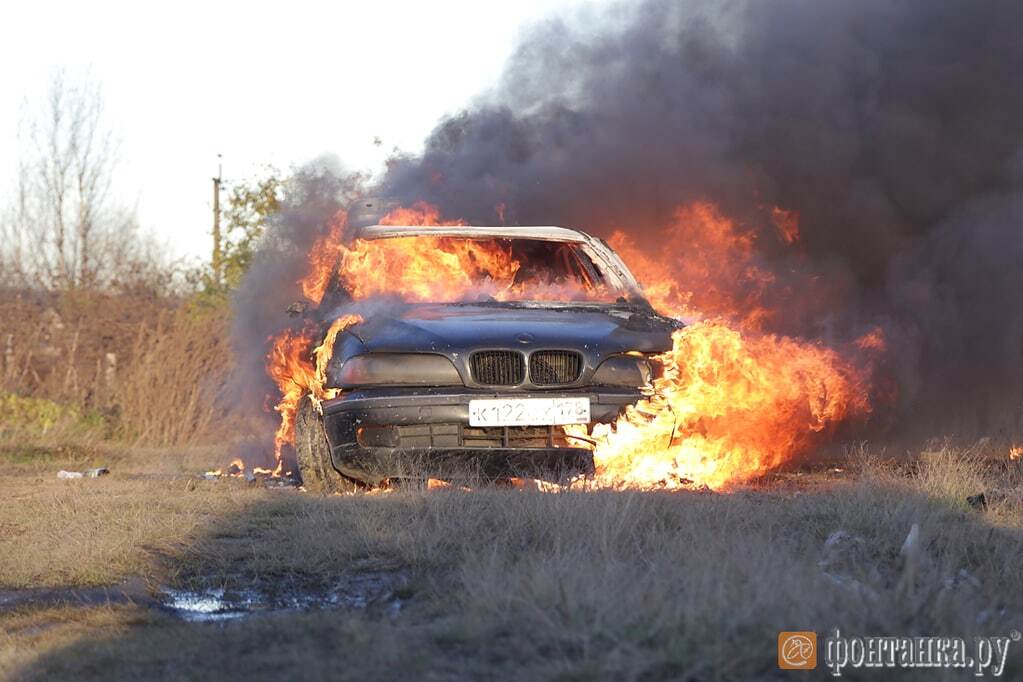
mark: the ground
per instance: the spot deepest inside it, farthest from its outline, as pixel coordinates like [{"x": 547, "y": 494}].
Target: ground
[{"x": 493, "y": 583}]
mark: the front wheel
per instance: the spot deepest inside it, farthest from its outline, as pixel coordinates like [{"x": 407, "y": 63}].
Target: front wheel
[{"x": 312, "y": 451}]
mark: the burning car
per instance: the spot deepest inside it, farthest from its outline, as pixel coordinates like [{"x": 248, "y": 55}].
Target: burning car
[{"x": 485, "y": 374}]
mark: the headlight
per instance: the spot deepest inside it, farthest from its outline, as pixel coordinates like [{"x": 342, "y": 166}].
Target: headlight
[
  {"x": 397, "y": 369},
  {"x": 623, "y": 370}
]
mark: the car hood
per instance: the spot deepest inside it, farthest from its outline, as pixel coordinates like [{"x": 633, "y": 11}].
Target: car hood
[{"x": 460, "y": 328}]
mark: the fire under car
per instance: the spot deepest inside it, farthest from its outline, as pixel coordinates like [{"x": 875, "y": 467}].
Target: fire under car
[{"x": 483, "y": 386}]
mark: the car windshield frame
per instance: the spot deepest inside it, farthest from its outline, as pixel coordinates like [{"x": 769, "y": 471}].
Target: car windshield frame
[{"x": 590, "y": 253}]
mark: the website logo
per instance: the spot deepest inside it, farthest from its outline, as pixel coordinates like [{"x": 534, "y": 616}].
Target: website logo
[{"x": 797, "y": 650}]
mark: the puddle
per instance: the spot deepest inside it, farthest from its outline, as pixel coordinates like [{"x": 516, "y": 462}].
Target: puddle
[
  {"x": 203, "y": 606},
  {"x": 356, "y": 591},
  {"x": 361, "y": 589}
]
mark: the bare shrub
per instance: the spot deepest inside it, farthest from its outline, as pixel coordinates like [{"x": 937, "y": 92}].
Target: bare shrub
[
  {"x": 61, "y": 345},
  {"x": 152, "y": 366},
  {"x": 170, "y": 390}
]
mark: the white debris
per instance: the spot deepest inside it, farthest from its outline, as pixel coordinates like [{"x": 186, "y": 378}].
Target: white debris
[
  {"x": 910, "y": 546},
  {"x": 843, "y": 551},
  {"x": 88, "y": 473}
]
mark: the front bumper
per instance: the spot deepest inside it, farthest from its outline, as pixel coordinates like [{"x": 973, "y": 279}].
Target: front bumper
[{"x": 435, "y": 424}]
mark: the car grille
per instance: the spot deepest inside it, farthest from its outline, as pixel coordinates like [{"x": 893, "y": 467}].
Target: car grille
[
  {"x": 513, "y": 437},
  {"x": 498, "y": 367},
  {"x": 459, "y": 435},
  {"x": 551, "y": 367}
]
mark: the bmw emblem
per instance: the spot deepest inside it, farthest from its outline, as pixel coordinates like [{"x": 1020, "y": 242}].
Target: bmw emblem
[{"x": 525, "y": 338}]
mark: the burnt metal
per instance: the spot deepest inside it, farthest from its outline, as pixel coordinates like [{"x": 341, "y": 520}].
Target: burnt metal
[
  {"x": 399, "y": 406},
  {"x": 461, "y": 331},
  {"x": 375, "y": 465},
  {"x": 385, "y": 433}
]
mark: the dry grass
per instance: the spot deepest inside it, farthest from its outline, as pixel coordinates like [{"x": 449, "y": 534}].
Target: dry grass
[
  {"x": 508, "y": 584},
  {"x": 97, "y": 531}
]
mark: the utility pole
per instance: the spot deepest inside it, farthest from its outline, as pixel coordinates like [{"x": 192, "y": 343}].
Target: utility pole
[{"x": 217, "y": 181}]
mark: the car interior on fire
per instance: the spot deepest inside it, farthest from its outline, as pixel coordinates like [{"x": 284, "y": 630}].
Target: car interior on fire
[
  {"x": 552, "y": 263},
  {"x": 497, "y": 268}
]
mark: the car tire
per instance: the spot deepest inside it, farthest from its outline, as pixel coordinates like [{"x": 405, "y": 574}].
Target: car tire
[{"x": 312, "y": 453}]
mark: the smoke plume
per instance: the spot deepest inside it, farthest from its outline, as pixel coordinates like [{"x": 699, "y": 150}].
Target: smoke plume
[{"x": 892, "y": 128}]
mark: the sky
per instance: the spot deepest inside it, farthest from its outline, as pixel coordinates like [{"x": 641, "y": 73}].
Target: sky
[{"x": 259, "y": 83}]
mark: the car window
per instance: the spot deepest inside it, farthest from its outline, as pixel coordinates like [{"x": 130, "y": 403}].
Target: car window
[
  {"x": 449, "y": 269},
  {"x": 552, "y": 263}
]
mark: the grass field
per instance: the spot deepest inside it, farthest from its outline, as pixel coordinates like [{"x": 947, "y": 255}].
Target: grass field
[{"x": 494, "y": 583}]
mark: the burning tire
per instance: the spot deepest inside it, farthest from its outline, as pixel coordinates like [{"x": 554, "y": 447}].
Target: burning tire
[{"x": 312, "y": 453}]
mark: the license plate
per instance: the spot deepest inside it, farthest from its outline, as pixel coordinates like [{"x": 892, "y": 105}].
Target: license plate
[{"x": 528, "y": 411}]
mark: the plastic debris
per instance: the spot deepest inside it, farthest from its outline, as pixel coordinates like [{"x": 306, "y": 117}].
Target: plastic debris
[{"x": 88, "y": 473}]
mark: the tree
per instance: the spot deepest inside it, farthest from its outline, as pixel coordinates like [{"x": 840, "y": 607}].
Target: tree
[
  {"x": 64, "y": 230},
  {"x": 250, "y": 207}
]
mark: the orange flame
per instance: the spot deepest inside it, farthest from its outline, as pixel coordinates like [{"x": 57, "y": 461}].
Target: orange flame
[
  {"x": 873, "y": 341},
  {"x": 427, "y": 268},
  {"x": 236, "y": 468},
  {"x": 298, "y": 371},
  {"x": 733, "y": 402},
  {"x": 729, "y": 406},
  {"x": 322, "y": 259},
  {"x": 420, "y": 213},
  {"x": 712, "y": 269},
  {"x": 787, "y": 223}
]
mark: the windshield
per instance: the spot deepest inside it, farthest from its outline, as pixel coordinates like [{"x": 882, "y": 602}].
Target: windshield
[{"x": 455, "y": 269}]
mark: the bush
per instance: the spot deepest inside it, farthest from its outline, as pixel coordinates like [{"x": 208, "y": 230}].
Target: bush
[{"x": 33, "y": 419}]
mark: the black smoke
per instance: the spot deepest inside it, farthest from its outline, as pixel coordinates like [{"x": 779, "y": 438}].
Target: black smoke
[
  {"x": 894, "y": 128},
  {"x": 313, "y": 197}
]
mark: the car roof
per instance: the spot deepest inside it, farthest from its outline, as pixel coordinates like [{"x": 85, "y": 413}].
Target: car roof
[{"x": 545, "y": 232}]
